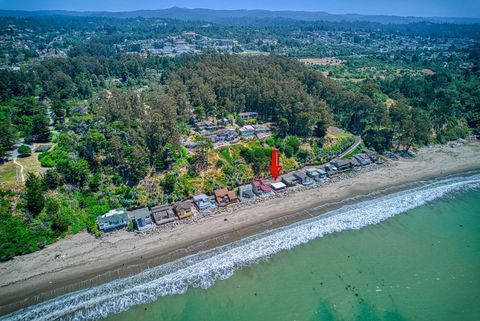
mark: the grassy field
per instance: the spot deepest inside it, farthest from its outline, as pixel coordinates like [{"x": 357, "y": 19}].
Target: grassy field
[
  {"x": 8, "y": 172},
  {"x": 30, "y": 164}
]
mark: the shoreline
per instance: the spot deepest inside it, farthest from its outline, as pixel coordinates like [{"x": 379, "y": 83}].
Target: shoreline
[{"x": 37, "y": 277}]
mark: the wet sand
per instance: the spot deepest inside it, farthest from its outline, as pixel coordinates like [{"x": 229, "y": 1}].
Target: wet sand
[{"x": 88, "y": 261}]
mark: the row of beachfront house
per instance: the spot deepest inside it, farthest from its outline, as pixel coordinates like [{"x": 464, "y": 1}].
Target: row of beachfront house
[{"x": 147, "y": 217}]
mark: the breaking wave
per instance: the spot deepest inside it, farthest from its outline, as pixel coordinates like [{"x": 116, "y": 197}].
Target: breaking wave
[{"x": 204, "y": 269}]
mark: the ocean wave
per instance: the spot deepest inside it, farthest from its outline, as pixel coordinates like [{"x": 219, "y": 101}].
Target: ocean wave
[{"x": 204, "y": 269}]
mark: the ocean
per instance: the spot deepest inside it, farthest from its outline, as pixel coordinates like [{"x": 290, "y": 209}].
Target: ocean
[{"x": 410, "y": 255}]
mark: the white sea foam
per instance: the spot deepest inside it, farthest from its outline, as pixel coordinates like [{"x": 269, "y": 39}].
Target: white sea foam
[{"x": 204, "y": 269}]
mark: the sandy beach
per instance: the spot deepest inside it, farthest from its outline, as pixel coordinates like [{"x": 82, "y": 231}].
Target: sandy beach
[{"x": 86, "y": 261}]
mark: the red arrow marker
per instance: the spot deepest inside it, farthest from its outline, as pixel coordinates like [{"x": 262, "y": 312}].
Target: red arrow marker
[{"x": 275, "y": 168}]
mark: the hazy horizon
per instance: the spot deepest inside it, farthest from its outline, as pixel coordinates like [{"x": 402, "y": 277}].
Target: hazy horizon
[{"x": 418, "y": 8}]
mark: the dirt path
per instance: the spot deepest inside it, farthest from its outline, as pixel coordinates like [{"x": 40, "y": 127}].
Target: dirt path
[{"x": 20, "y": 177}]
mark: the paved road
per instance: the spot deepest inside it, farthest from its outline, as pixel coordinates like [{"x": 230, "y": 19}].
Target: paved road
[{"x": 357, "y": 142}]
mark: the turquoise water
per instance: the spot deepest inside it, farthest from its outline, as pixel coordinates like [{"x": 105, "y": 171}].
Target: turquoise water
[
  {"x": 410, "y": 255},
  {"x": 422, "y": 265}
]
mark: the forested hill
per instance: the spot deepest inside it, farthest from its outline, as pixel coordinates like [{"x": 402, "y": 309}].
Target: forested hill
[{"x": 226, "y": 16}]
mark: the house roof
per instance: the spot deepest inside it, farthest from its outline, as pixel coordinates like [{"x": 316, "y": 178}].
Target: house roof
[
  {"x": 278, "y": 185},
  {"x": 245, "y": 188},
  {"x": 185, "y": 205},
  {"x": 200, "y": 198},
  {"x": 220, "y": 192},
  {"x": 114, "y": 216},
  {"x": 300, "y": 174},
  {"x": 232, "y": 196},
  {"x": 161, "y": 208},
  {"x": 247, "y": 127},
  {"x": 139, "y": 213}
]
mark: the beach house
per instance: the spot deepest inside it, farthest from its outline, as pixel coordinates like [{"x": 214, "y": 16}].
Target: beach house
[
  {"x": 113, "y": 220},
  {"x": 331, "y": 170},
  {"x": 203, "y": 202},
  {"x": 363, "y": 159},
  {"x": 260, "y": 187},
  {"x": 342, "y": 164},
  {"x": 163, "y": 214},
  {"x": 225, "y": 197},
  {"x": 303, "y": 178},
  {"x": 278, "y": 186},
  {"x": 141, "y": 218},
  {"x": 245, "y": 192},
  {"x": 289, "y": 180},
  {"x": 316, "y": 173},
  {"x": 183, "y": 209}
]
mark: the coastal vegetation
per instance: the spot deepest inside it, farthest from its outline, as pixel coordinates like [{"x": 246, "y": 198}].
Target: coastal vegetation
[{"x": 119, "y": 122}]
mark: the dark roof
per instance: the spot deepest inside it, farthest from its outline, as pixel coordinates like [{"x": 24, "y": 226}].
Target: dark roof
[
  {"x": 300, "y": 175},
  {"x": 43, "y": 148},
  {"x": 185, "y": 205},
  {"x": 139, "y": 213}
]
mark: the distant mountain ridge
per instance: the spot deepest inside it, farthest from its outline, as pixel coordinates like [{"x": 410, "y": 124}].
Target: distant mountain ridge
[{"x": 223, "y": 16}]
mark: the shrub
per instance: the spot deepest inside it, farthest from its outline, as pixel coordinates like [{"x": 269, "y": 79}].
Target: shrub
[{"x": 24, "y": 151}]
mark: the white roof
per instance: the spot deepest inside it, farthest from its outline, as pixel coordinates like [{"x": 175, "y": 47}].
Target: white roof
[
  {"x": 248, "y": 127},
  {"x": 114, "y": 212},
  {"x": 278, "y": 185}
]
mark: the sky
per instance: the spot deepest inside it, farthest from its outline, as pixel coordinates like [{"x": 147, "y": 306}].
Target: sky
[{"x": 423, "y": 8}]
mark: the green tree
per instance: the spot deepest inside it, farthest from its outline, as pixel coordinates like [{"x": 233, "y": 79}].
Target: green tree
[
  {"x": 34, "y": 194},
  {"x": 51, "y": 178}
]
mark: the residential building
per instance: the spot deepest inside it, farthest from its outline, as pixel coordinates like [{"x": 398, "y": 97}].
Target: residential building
[
  {"x": 113, "y": 220},
  {"x": 248, "y": 115},
  {"x": 363, "y": 158},
  {"x": 163, "y": 214},
  {"x": 342, "y": 164},
  {"x": 331, "y": 170},
  {"x": 260, "y": 187},
  {"x": 204, "y": 202},
  {"x": 316, "y": 173},
  {"x": 183, "y": 209},
  {"x": 247, "y": 131},
  {"x": 289, "y": 180},
  {"x": 245, "y": 192},
  {"x": 278, "y": 186},
  {"x": 224, "y": 197},
  {"x": 303, "y": 178},
  {"x": 262, "y": 131},
  {"x": 141, "y": 218}
]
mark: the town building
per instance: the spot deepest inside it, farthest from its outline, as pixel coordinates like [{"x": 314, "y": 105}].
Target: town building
[
  {"x": 262, "y": 131},
  {"x": 247, "y": 131}
]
